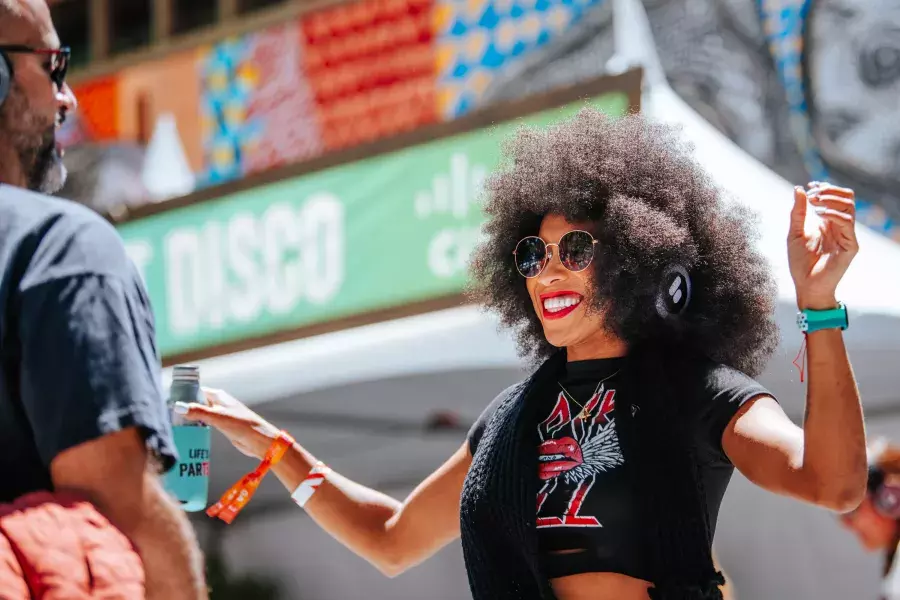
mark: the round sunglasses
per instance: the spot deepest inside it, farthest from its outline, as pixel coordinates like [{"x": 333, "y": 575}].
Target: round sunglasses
[{"x": 576, "y": 252}]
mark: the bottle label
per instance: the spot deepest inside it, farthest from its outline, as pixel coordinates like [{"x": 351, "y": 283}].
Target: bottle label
[
  {"x": 188, "y": 480},
  {"x": 197, "y": 464}
]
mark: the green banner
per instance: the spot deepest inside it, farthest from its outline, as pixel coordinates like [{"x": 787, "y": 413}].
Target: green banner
[{"x": 373, "y": 234}]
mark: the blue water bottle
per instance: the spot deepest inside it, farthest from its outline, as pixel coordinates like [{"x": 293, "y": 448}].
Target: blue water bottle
[{"x": 188, "y": 480}]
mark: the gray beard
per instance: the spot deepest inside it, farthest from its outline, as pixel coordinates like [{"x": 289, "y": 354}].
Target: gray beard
[
  {"x": 47, "y": 173},
  {"x": 41, "y": 164}
]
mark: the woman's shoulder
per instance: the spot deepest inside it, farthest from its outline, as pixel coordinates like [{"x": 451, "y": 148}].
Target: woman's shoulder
[
  {"x": 715, "y": 379},
  {"x": 477, "y": 429},
  {"x": 719, "y": 392}
]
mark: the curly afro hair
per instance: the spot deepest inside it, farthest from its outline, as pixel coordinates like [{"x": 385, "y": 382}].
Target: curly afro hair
[{"x": 649, "y": 205}]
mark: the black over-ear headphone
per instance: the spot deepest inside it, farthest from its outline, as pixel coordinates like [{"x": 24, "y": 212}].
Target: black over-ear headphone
[
  {"x": 674, "y": 293},
  {"x": 5, "y": 76}
]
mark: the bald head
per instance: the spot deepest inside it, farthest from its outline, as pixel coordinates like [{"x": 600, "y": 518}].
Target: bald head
[{"x": 27, "y": 22}]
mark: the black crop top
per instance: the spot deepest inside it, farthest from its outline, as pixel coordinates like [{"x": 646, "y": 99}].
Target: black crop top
[{"x": 583, "y": 498}]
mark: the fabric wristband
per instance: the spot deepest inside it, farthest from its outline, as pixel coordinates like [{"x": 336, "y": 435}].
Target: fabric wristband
[
  {"x": 309, "y": 485},
  {"x": 237, "y": 497}
]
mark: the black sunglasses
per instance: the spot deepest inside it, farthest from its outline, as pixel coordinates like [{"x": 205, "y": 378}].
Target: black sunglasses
[
  {"x": 59, "y": 62},
  {"x": 576, "y": 251}
]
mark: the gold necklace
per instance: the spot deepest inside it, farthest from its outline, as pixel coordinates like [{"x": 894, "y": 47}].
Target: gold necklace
[{"x": 584, "y": 415}]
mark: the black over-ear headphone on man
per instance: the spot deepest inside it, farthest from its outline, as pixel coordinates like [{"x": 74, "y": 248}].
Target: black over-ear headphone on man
[{"x": 5, "y": 76}]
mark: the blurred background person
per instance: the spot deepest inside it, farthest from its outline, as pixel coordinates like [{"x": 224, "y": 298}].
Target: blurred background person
[{"x": 876, "y": 521}]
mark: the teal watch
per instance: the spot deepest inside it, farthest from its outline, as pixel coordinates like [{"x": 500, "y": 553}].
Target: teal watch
[{"x": 813, "y": 320}]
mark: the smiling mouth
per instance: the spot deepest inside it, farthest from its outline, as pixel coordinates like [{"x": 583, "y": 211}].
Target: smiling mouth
[{"x": 557, "y": 307}]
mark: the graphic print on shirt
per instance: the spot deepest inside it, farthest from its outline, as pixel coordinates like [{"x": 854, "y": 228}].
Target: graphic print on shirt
[{"x": 572, "y": 453}]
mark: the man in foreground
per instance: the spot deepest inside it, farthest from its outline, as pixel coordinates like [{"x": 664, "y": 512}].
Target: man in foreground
[{"x": 81, "y": 408}]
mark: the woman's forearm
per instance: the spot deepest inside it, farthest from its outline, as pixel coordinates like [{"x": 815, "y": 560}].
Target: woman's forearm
[
  {"x": 353, "y": 514},
  {"x": 834, "y": 454},
  {"x": 391, "y": 535}
]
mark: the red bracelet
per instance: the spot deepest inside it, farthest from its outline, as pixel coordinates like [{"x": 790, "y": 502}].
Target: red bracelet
[{"x": 238, "y": 495}]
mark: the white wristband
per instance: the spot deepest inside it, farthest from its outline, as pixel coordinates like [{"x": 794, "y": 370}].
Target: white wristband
[{"x": 309, "y": 485}]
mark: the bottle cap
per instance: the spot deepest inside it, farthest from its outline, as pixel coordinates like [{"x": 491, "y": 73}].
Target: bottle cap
[{"x": 186, "y": 373}]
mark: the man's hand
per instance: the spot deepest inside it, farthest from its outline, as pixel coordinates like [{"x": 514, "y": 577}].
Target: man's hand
[
  {"x": 116, "y": 474},
  {"x": 821, "y": 250}
]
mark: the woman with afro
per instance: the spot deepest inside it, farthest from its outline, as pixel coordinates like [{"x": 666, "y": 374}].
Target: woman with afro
[{"x": 637, "y": 294}]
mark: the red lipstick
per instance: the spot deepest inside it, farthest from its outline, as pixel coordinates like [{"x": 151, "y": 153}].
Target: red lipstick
[{"x": 559, "y": 314}]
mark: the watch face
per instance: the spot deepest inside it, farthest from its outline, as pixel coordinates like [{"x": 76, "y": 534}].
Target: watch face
[{"x": 841, "y": 313}]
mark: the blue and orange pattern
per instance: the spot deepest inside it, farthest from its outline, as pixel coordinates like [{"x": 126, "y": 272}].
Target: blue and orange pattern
[
  {"x": 257, "y": 109},
  {"x": 228, "y": 79},
  {"x": 478, "y": 39}
]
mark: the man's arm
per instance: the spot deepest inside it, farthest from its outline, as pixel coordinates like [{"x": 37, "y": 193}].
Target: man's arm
[
  {"x": 91, "y": 389},
  {"x": 116, "y": 473}
]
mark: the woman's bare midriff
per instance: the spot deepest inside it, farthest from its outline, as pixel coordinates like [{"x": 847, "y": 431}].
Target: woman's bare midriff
[{"x": 599, "y": 586}]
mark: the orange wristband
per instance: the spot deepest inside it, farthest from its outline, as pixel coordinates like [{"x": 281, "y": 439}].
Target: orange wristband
[{"x": 238, "y": 495}]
